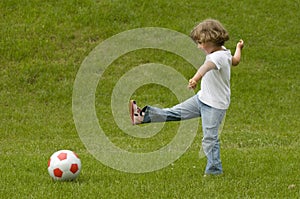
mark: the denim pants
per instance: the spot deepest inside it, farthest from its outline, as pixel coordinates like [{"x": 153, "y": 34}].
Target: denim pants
[{"x": 211, "y": 120}]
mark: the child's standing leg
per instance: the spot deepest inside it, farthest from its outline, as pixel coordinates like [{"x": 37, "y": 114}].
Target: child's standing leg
[{"x": 211, "y": 120}]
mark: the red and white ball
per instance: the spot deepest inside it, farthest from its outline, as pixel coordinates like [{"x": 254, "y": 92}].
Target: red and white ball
[{"x": 64, "y": 165}]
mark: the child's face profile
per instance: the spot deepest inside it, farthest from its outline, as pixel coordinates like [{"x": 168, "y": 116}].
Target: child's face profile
[{"x": 201, "y": 46}]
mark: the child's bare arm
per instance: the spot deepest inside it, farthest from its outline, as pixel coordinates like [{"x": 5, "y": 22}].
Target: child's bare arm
[
  {"x": 238, "y": 52},
  {"x": 207, "y": 66}
]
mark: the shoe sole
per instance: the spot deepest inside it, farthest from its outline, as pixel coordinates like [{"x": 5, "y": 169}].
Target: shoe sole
[{"x": 131, "y": 111}]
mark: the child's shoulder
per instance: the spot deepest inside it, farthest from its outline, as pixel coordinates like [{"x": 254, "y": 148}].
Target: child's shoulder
[
  {"x": 220, "y": 57},
  {"x": 220, "y": 53}
]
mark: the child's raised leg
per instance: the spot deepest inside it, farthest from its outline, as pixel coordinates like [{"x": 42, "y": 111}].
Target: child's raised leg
[{"x": 185, "y": 110}]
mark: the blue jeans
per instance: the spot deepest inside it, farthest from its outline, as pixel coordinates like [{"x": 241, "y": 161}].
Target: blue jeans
[{"x": 211, "y": 120}]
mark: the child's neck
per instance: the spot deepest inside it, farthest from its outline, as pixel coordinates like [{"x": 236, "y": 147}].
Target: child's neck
[{"x": 213, "y": 49}]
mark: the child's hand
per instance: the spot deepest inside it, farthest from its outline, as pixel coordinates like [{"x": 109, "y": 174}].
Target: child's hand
[
  {"x": 240, "y": 44},
  {"x": 236, "y": 58},
  {"x": 192, "y": 84}
]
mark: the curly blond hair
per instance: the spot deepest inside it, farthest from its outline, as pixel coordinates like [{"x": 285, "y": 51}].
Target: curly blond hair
[{"x": 210, "y": 30}]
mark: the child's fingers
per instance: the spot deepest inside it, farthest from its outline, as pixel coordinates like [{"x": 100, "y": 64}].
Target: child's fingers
[{"x": 191, "y": 86}]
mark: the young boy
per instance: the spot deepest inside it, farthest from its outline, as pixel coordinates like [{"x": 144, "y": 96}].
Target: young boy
[{"x": 212, "y": 101}]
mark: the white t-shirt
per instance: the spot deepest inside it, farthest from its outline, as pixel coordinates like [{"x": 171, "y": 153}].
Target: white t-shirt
[{"x": 215, "y": 84}]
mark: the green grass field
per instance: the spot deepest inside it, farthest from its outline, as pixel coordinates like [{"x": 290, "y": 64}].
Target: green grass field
[{"x": 42, "y": 46}]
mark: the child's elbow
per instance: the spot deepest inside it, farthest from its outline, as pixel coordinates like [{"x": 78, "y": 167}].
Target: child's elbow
[{"x": 235, "y": 62}]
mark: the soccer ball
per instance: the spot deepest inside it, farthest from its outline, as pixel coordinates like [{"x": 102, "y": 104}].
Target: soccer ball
[{"x": 64, "y": 165}]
